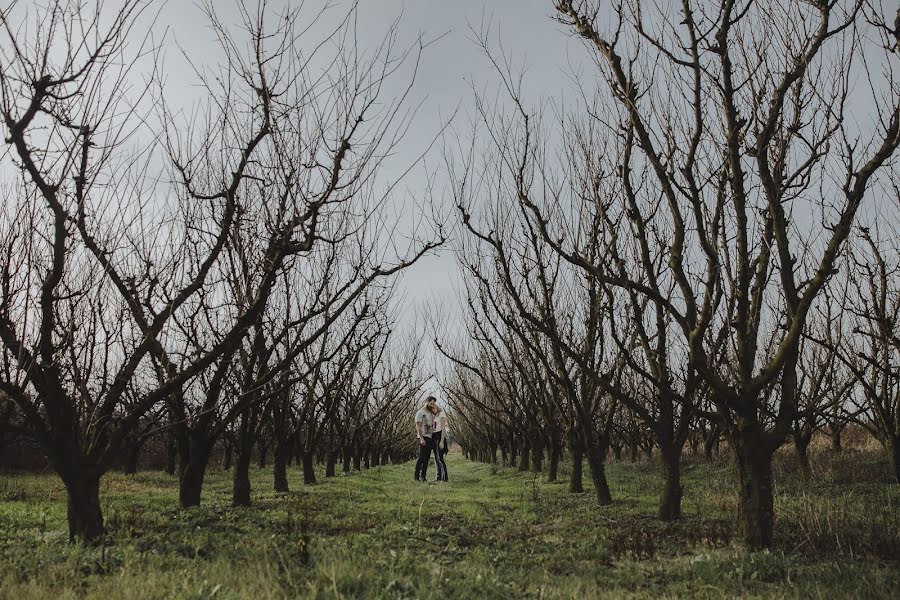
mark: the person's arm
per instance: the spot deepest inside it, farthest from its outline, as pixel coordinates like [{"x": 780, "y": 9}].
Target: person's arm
[
  {"x": 418, "y": 431},
  {"x": 444, "y": 429}
]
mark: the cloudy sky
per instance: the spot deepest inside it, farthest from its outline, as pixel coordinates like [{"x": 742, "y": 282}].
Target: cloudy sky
[{"x": 452, "y": 66}]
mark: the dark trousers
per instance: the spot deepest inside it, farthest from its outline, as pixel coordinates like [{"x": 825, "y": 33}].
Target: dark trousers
[
  {"x": 439, "y": 457},
  {"x": 425, "y": 451}
]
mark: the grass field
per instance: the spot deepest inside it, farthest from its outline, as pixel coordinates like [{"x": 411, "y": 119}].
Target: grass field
[{"x": 489, "y": 533}]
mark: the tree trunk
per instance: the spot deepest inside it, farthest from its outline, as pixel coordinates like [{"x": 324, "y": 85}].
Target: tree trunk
[
  {"x": 240, "y": 490},
  {"x": 193, "y": 470},
  {"x": 801, "y": 446},
  {"x": 263, "y": 455},
  {"x": 330, "y": 461},
  {"x": 708, "y": 445},
  {"x": 694, "y": 442},
  {"x": 895, "y": 457},
  {"x": 348, "y": 458},
  {"x": 670, "y": 502},
  {"x": 83, "y": 508},
  {"x": 131, "y": 462},
  {"x": 756, "y": 506},
  {"x": 280, "y": 457},
  {"x": 576, "y": 484},
  {"x": 309, "y": 471},
  {"x": 537, "y": 459},
  {"x": 171, "y": 452},
  {"x": 596, "y": 454},
  {"x": 524, "y": 461},
  {"x": 227, "y": 457},
  {"x": 555, "y": 453},
  {"x": 836, "y": 439},
  {"x": 283, "y": 445},
  {"x": 617, "y": 451},
  {"x": 357, "y": 456}
]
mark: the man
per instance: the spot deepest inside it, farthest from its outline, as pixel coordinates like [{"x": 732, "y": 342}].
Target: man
[{"x": 424, "y": 422}]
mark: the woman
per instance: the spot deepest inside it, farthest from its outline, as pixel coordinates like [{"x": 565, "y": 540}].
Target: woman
[{"x": 438, "y": 435}]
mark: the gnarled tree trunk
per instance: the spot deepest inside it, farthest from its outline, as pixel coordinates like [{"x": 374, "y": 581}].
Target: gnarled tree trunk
[
  {"x": 192, "y": 469},
  {"x": 131, "y": 461},
  {"x": 576, "y": 484},
  {"x": 347, "y": 459},
  {"x": 895, "y": 457},
  {"x": 756, "y": 501},
  {"x": 524, "y": 460},
  {"x": 262, "y": 456},
  {"x": 357, "y": 456},
  {"x": 596, "y": 455},
  {"x": 309, "y": 471},
  {"x": 617, "y": 451},
  {"x": 836, "y": 444},
  {"x": 555, "y": 454},
  {"x": 83, "y": 506},
  {"x": 227, "y": 456},
  {"x": 537, "y": 458},
  {"x": 240, "y": 490},
  {"x": 330, "y": 462},
  {"x": 279, "y": 465},
  {"x": 670, "y": 501},
  {"x": 801, "y": 446},
  {"x": 171, "y": 453}
]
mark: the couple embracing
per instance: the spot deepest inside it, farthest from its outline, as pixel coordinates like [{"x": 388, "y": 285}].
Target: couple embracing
[{"x": 431, "y": 429}]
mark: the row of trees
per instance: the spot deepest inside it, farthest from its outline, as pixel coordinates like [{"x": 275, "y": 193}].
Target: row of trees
[
  {"x": 669, "y": 258},
  {"x": 223, "y": 277},
  {"x": 674, "y": 254}
]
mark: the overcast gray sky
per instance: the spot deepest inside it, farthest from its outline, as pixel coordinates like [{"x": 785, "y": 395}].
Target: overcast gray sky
[{"x": 449, "y": 69}]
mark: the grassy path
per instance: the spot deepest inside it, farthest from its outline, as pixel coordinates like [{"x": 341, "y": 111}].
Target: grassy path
[{"x": 489, "y": 533}]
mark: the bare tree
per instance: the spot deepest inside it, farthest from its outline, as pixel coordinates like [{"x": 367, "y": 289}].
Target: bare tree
[
  {"x": 823, "y": 382},
  {"x": 872, "y": 353},
  {"x": 106, "y": 280},
  {"x": 749, "y": 118}
]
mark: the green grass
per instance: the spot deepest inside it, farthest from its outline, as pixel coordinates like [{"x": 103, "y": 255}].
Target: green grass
[{"x": 490, "y": 533}]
